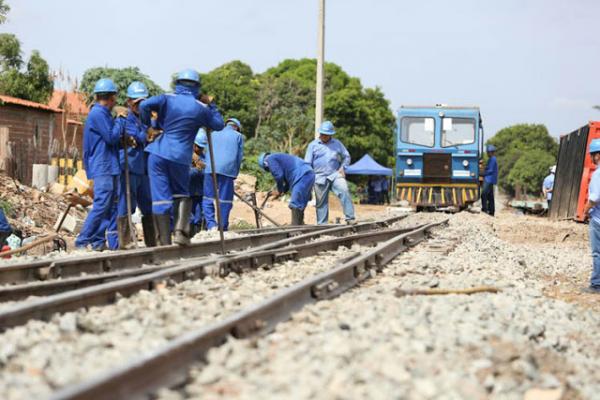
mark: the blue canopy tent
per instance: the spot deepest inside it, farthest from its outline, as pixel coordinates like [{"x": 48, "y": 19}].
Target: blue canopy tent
[{"x": 367, "y": 166}]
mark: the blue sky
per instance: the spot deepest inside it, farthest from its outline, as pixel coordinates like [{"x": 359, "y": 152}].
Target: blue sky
[{"x": 535, "y": 61}]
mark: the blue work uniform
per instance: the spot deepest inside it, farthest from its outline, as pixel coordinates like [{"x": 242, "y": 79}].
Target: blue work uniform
[
  {"x": 228, "y": 147},
  {"x": 326, "y": 159},
  {"x": 548, "y": 185},
  {"x": 594, "y": 196},
  {"x": 490, "y": 178},
  {"x": 196, "y": 191},
  {"x": 139, "y": 184},
  {"x": 294, "y": 174},
  {"x": 101, "y": 139},
  {"x": 4, "y": 225},
  {"x": 180, "y": 115}
]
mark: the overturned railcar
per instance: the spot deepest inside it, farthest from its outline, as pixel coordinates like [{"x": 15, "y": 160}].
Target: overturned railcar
[{"x": 437, "y": 156}]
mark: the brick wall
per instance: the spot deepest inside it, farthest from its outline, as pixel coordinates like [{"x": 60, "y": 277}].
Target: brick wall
[{"x": 29, "y": 134}]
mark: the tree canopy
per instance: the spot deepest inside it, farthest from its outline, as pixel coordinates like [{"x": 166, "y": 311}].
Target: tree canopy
[
  {"x": 30, "y": 83},
  {"x": 4, "y": 9},
  {"x": 122, "y": 78},
  {"x": 525, "y": 152}
]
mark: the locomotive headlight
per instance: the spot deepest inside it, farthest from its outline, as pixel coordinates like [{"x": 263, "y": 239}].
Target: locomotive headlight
[
  {"x": 465, "y": 163},
  {"x": 409, "y": 161}
]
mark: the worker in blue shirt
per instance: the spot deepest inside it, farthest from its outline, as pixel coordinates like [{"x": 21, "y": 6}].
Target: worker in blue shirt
[
  {"x": 328, "y": 158},
  {"x": 197, "y": 179},
  {"x": 490, "y": 178},
  {"x": 292, "y": 174},
  {"x": 592, "y": 212},
  {"x": 101, "y": 139},
  {"x": 5, "y": 228},
  {"x": 180, "y": 115},
  {"x": 228, "y": 148},
  {"x": 548, "y": 186},
  {"x": 139, "y": 184}
]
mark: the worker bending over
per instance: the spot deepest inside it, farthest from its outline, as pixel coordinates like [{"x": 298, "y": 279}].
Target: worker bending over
[
  {"x": 5, "y": 228},
  {"x": 197, "y": 180},
  {"x": 228, "y": 148},
  {"x": 101, "y": 140},
  {"x": 490, "y": 178},
  {"x": 291, "y": 173},
  {"x": 328, "y": 158},
  {"x": 139, "y": 184},
  {"x": 592, "y": 212},
  {"x": 180, "y": 115},
  {"x": 548, "y": 186}
]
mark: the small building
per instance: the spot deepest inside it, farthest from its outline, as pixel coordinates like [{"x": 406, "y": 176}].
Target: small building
[{"x": 69, "y": 132}]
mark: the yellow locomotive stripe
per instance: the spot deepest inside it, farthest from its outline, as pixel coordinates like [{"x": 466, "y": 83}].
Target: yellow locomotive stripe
[
  {"x": 419, "y": 195},
  {"x": 454, "y": 195}
]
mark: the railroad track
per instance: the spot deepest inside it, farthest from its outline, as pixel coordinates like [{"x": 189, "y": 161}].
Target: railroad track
[{"x": 167, "y": 366}]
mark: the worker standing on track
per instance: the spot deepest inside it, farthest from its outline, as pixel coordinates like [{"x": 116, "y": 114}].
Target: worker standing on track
[
  {"x": 228, "y": 146},
  {"x": 101, "y": 138},
  {"x": 180, "y": 115},
  {"x": 291, "y": 173},
  {"x": 592, "y": 212},
  {"x": 490, "y": 178},
  {"x": 328, "y": 158},
  {"x": 548, "y": 186},
  {"x": 139, "y": 183},
  {"x": 197, "y": 180}
]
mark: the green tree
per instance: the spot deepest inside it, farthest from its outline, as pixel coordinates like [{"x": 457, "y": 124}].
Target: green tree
[
  {"x": 4, "y": 9},
  {"x": 530, "y": 169},
  {"x": 122, "y": 78},
  {"x": 516, "y": 143},
  {"x": 34, "y": 83}
]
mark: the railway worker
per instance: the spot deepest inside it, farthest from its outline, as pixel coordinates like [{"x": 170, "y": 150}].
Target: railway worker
[
  {"x": 197, "y": 180},
  {"x": 292, "y": 174},
  {"x": 592, "y": 212},
  {"x": 5, "y": 228},
  {"x": 490, "y": 178},
  {"x": 548, "y": 186},
  {"x": 139, "y": 183},
  {"x": 180, "y": 115},
  {"x": 228, "y": 148},
  {"x": 101, "y": 139},
  {"x": 328, "y": 158}
]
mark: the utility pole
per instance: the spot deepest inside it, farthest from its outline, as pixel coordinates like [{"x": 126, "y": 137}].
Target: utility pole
[{"x": 320, "y": 68}]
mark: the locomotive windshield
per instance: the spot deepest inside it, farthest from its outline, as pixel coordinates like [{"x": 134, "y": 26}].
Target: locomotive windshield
[
  {"x": 458, "y": 131},
  {"x": 418, "y": 130}
]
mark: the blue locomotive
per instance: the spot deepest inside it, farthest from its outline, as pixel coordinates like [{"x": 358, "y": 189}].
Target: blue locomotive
[{"x": 437, "y": 156}]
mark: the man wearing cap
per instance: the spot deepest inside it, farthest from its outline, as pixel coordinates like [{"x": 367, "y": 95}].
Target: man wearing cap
[
  {"x": 490, "y": 178},
  {"x": 228, "y": 148},
  {"x": 101, "y": 138},
  {"x": 329, "y": 158},
  {"x": 180, "y": 115},
  {"x": 548, "y": 186},
  {"x": 592, "y": 213},
  {"x": 197, "y": 179},
  {"x": 292, "y": 174},
  {"x": 139, "y": 184}
]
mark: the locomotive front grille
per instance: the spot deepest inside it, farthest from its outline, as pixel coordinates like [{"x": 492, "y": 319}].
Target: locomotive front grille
[{"x": 437, "y": 167}]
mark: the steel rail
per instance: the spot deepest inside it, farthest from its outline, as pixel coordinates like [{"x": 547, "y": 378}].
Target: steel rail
[
  {"x": 111, "y": 261},
  {"x": 106, "y": 293},
  {"x": 167, "y": 366}
]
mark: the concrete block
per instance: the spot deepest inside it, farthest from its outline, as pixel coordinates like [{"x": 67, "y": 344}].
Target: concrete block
[{"x": 39, "y": 177}]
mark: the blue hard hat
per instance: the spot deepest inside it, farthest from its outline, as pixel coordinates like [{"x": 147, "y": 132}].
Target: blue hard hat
[
  {"x": 327, "y": 128},
  {"x": 595, "y": 146},
  {"x": 201, "y": 138},
  {"x": 189, "y": 75},
  {"x": 234, "y": 121},
  {"x": 261, "y": 160},
  {"x": 105, "y": 85},
  {"x": 137, "y": 90},
  {"x": 490, "y": 148}
]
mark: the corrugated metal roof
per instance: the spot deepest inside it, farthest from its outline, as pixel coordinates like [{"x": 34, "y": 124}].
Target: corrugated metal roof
[{"x": 26, "y": 103}]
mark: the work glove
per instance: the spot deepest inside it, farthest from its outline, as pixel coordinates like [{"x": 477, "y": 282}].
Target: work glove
[
  {"x": 131, "y": 142},
  {"x": 197, "y": 162},
  {"x": 121, "y": 112},
  {"x": 206, "y": 99},
  {"x": 152, "y": 134}
]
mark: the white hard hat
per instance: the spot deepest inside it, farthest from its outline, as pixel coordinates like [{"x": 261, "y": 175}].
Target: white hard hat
[{"x": 553, "y": 169}]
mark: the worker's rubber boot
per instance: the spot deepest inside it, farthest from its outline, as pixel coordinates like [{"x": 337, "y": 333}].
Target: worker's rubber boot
[
  {"x": 182, "y": 221},
  {"x": 297, "y": 216},
  {"x": 162, "y": 224},
  {"x": 125, "y": 242},
  {"x": 150, "y": 237}
]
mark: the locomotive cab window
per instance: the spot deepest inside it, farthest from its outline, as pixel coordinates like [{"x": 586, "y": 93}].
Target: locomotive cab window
[
  {"x": 457, "y": 131},
  {"x": 418, "y": 130}
]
